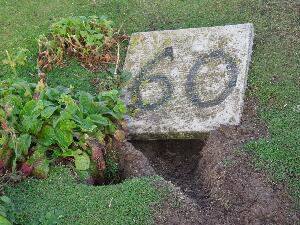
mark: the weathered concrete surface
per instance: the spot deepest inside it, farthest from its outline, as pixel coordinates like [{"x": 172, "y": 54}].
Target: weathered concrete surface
[{"x": 187, "y": 82}]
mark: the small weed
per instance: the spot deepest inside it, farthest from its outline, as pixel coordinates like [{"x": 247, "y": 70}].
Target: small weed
[
  {"x": 109, "y": 80},
  {"x": 16, "y": 59}
]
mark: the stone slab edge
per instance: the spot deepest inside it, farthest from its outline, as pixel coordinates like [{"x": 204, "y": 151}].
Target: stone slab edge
[{"x": 195, "y": 135}]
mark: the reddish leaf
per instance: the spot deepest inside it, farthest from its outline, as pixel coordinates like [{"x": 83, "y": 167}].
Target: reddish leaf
[
  {"x": 4, "y": 126},
  {"x": 26, "y": 169}
]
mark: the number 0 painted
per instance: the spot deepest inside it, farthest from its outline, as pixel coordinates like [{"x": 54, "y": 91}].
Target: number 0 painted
[{"x": 191, "y": 84}]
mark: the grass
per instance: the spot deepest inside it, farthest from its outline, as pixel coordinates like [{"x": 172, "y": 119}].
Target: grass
[
  {"x": 61, "y": 195},
  {"x": 275, "y": 81},
  {"x": 273, "y": 77},
  {"x": 33, "y": 18}
]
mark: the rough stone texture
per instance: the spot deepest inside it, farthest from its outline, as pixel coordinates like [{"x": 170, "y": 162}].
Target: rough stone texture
[{"x": 187, "y": 82}]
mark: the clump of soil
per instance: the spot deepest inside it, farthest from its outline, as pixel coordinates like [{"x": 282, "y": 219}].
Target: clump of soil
[{"x": 133, "y": 163}]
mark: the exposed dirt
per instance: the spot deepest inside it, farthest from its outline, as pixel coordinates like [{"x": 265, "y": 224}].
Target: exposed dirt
[
  {"x": 213, "y": 182},
  {"x": 245, "y": 195},
  {"x": 133, "y": 163},
  {"x": 177, "y": 161}
]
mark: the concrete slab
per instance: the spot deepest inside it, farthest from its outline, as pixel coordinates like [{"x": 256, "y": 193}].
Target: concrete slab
[{"x": 187, "y": 82}]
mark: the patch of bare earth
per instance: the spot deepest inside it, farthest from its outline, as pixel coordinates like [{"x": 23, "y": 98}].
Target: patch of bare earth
[{"x": 212, "y": 182}]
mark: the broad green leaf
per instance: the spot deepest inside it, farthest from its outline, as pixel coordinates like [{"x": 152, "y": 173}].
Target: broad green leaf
[
  {"x": 48, "y": 111},
  {"x": 48, "y": 103},
  {"x": 46, "y": 136},
  {"x": 73, "y": 109},
  {"x": 98, "y": 36},
  {"x": 64, "y": 115},
  {"x": 112, "y": 95},
  {"x": 104, "y": 110},
  {"x": 31, "y": 124},
  {"x": 54, "y": 120},
  {"x": 120, "y": 109},
  {"x": 52, "y": 94},
  {"x": 114, "y": 115},
  {"x": 28, "y": 107},
  {"x": 67, "y": 152},
  {"x": 14, "y": 101},
  {"x": 57, "y": 153},
  {"x": 82, "y": 161},
  {"x": 33, "y": 108},
  {"x": 66, "y": 99},
  {"x": 23, "y": 143},
  {"x": 4, "y": 221},
  {"x": 67, "y": 125},
  {"x": 111, "y": 128},
  {"x": 3, "y": 138},
  {"x": 86, "y": 103},
  {"x": 63, "y": 137},
  {"x": 39, "y": 107},
  {"x": 87, "y": 125},
  {"x": 98, "y": 119}
]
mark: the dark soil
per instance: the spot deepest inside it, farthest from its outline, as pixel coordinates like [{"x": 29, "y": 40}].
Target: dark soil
[
  {"x": 213, "y": 182},
  {"x": 177, "y": 161}
]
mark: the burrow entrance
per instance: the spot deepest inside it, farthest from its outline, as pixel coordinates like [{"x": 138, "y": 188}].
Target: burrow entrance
[{"x": 177, "y": 161}]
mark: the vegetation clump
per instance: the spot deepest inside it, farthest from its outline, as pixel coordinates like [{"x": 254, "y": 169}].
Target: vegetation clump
[
  {"x": 41, "y": 125},
  {"x": 15, "y": 59},
  {"x": 90, "y": 39}
]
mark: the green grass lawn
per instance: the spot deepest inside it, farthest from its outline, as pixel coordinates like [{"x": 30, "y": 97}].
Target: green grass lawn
[
  {"x": 78, "y": 204},
  {"x": 274, "y": 77}
]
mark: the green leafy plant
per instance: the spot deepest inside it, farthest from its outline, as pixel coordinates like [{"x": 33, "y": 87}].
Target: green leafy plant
[
  {"x": 41, "y": 125},
  {"x": 15, "y": 59},
  {"x": 90, "y": 39}
]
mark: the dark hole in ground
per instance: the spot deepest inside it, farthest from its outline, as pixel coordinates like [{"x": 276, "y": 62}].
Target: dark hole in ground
[
  {"x": 95, "y": 180},
  {"x": 177, "y": 161},
  {"x": 110, "y": 176}
]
